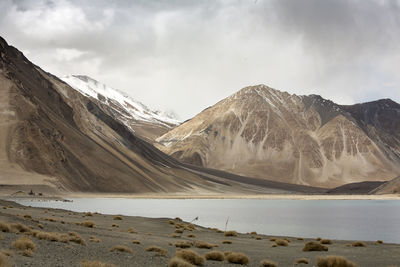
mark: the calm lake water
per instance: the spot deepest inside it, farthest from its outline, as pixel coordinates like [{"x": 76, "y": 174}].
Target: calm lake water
[{"x": 335, "y": 219}]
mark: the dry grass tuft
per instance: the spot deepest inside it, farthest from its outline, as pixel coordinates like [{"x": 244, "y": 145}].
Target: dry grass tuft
[
  {"x": 282, "y": 242},
  {"x": 89, "y": 224},
  {"x": 160, "y": 251},
  {"x": 50, "y": 219},
  {"x": 268, "y": 263},
  {"x": 136, "y": 242},
  {"x": 115, "y": 225},
  {"x": 190, "y": 256},
  {"x": 302, "y": 260},
  {"x": 318, "y": 238},
  {"x": 175, "y": 236},
  {"x": 119, "y": 218},
  {"x": 131, "y": 230},
  {"x": 215, "y": 256},
  {"x": 272, "y": 239},
  {"x": 87, "y": 263},
  {"x": 230, "y": 233},
  {"x": 379, "y": 242},
  {"x": 326, "y": 241},
  {"x": 171, "y": 222},
  {"x": 178, "y": 219},
  {"x": 25, "y": 245},
  {"x": 253, "y": 233},
  {"x": 88, "y": 214},
  {"x": 121, "y": 248},
  {"x": 5, "y": 227},
  {"x": 258, "y": 238},
  {"x": 226, "y": 242},
  {"x": 40, "y": 226},
  {"x": 237, "y": 258},
  {"x": 94, "y": 239},
  {"x": 191, "y": 236},
  {"x": 358, "y": 244},
  {"x": 183, "y": 244},
  {"x": 19, "y": 228},
  {"x": 27, "y": 216},
  {"x": 334, "y": 261},
  {"x": 300, "y": 238},
  {"x": 4, "y": 262},
  {"x": 274, "y": 245},
  {"x": 313, "y": 246},
  {"x": 178, "y": 262},
  {"x": 201, "y": 244},
  {"x": 179, "y": 231}
]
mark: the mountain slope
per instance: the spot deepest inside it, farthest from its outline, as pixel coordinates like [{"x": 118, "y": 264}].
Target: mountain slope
[
  {"x": 145, "y": 122},
  {"x": 55, "y": 139},
  {"x": 265, "y": 133}
]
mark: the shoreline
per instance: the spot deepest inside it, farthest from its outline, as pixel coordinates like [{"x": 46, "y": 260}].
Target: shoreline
[{"x": 229, "y": 196}]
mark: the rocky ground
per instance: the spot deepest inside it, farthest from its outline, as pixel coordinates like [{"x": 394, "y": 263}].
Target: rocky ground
[{"x": 65, "y": 238}]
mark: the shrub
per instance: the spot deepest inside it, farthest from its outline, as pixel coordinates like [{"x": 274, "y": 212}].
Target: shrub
[
  {"x": 237, "y": 258},
  {"x": 282, "y": 242},
  {"x": 313, "y": 246},
  {"x": 119, "y": 218},
  {"x": 201, "y": 244},
  {"x": 86, "y": 263},
  {"x": 160, "y": 251},
  {"x": 274, "y": 245},
  {"x": 268, "y": 263},
  {"x": 114, "y": 225},
  {"x": 190, "y": 256},
  {"x": 88, "y": 214},
  {"x": 121, "y": 248},
  {"x": 301, "y": 260},
  {"x": 178, "y": 262},
  {"x": 326, "y": 241},
  {"x": 179, "y": 231},
  {"x": 89, "y": 224},
  {"x": 318, "y": 238},
  {"x": 137, "y": 242},
  {"x": 24, "y": 243},
  {"x": 300, "y": 238},
  {"x": 27, "y": 216},
  {"x": 358, "y": 244},
  {"x": 379, "y": 242},
  {"x": 253, "y": 233},
  {"x": 230, "y": 233},
  {"x": 171, "y": 222},
  {"x": 258, "y": 238},
  {"x": 183, "y": 244},
  {"x": 272, "y": 239},
  {"x": 215, "y": 256},
  {"x": 191, "y": 236},
  {"x": 334, "y": 261},
  {"x": 227, "y": 242}
]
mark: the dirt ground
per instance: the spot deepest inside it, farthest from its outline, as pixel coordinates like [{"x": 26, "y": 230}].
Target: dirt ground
[{"x": 112, "y": 230}]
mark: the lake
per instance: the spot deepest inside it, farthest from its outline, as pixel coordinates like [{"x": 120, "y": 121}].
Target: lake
[{"x": 367, "y": 220}]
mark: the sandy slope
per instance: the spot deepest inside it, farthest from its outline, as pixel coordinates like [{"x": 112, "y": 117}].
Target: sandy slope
[{"x": 158, "y": 232}]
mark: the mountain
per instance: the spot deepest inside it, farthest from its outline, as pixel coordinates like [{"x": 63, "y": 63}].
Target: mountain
[
  {"x": 54, "y": 138},
  {"x": 265, "y": 133},
  {"x": 146, "y": 123}
]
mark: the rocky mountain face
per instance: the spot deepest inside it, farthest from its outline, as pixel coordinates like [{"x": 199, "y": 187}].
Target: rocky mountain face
[
  {"x": 54, "y": 138},
  {"x": 265, "y": 133},
  {"x": 143, "y": 121}
]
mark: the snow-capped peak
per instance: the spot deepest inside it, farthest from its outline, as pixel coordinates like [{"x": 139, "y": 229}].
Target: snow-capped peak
[{"x": 105, "y": 94}]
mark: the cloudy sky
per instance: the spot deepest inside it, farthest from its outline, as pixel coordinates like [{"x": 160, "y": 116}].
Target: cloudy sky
[{"x": 187, "y": 55}]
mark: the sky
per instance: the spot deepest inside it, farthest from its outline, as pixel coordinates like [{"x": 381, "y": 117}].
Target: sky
[{"x": 186, "y": 55}]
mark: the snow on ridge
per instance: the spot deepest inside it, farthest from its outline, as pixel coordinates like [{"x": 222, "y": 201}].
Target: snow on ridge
[{"x": 136, "y": 110}]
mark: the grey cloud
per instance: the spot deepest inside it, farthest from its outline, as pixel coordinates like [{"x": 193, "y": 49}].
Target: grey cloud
[{"x": 187, "y": 55}]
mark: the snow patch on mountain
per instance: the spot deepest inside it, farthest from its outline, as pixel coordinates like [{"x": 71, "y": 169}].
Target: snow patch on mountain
[{"x": 131, "y": 109}]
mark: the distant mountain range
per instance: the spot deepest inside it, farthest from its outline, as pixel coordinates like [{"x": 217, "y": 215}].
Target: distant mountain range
[
  {"x": 74, "y": 134},
  {"x": 265, "y": 133}
]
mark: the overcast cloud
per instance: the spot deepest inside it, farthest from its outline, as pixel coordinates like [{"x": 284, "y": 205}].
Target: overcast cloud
[{"x": 187, "y": 55}]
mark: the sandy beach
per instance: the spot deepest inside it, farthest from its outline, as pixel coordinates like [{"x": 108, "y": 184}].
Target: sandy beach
[{"x": 138, "y": 234}]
